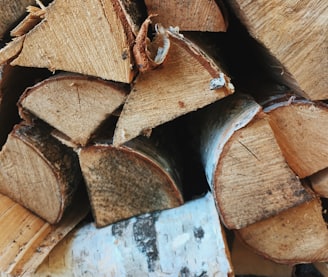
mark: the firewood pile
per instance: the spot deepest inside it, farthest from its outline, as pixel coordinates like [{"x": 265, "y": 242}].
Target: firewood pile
[{"x": 163, "y": 138}]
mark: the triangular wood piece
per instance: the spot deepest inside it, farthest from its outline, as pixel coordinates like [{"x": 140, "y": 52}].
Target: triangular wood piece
[
  {"x": 128, "y": 180},
  {"x": 319, "y": 182},
  {"x": 185, "y": 241},
  {"x": 201, "y": 15},
  {"x": 188, "y": 80},
  {"x": 73, "y": 104},
  {"x": 26, "y": 239},
  {"x": 300, "y": 129},
  {"x": 92, "y": 38},
  {"x": 297, "y": 235},
  {"x": 39, "y": 172},
  {"x": 244, "y": 165},
  {"x": 291, "y": 30}
]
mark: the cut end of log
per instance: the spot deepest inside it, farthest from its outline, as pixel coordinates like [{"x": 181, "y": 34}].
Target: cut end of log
[
  {"x": 38, "y": 172},
  {"x": 123, "y": 183}
]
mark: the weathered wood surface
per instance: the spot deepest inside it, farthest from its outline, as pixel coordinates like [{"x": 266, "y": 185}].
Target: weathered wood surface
[
  {"x": 185, "y": 241},
  {"x": 295, "y": 32},
  {"x": 297, "y": 235},
  {"x": 39, "y": 172},
  {"x": 181, "y": 85},
  {"x": 73, "y": 104},
  {"x": 244, "y": 164},
  {"x": 202, "y": 15},
  {"x": 319, "y": 182},
  {"x": 129, "y": 180},
  {"x": 26, "y": 240},
  {"x": 80, "y": 38}
]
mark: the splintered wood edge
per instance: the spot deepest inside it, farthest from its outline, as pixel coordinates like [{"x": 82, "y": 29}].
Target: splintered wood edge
[
  {"x": 319, "y": 182},
  {"x": 263, "y": 186},
  {"x": 41, "y": 100},
  {"x": 172, "y": 13},
  {"x": 297, "y": 235},
  {"x": 27, "y": 257},
  {"x": 108, "y": 209},
  {"x": 302, "y": 142},
  {"x": 166, "y": 242},
  {"x": 155, "y": 99},
  {"x": 11, "y": 50}
]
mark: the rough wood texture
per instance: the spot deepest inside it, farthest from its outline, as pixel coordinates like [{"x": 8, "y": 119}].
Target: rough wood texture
[
  {"x": 128, "y": 180},
  {"x": 10, "y": 12},
  {"x": 39, "y": 172},
  {"x": 297, "y": 235},
  {"x": 73, "y": 104},
  {"x": 247, "y": 262},
  {"x": 26, "y": 239},
  {"x": 202, "y": 15},
  {"x": 181, "y": 85},
  {"x": 244, "y": 164},
  {"x": 295, "y": 32},
  {"x": 185, "y": 241},
  {"x": 81, "y": 38},
  {"x": 319, "y": 182},
  {"x": 298, "y": 125}
]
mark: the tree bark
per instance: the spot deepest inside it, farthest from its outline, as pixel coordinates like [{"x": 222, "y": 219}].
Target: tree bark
[
  {"x": 185, "y": 241},
  {"x": 39, "y": 172}
]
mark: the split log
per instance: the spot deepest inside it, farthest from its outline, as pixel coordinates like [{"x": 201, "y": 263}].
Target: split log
[
  {"x": 128, "y": 180},
  {"x": 39, "y": 172},
  {"x": 244, "y": 164},
  {"x": 26, "y": 240},
  {"x": 298, "y": 127},
  {"x": 185, "y": 241},
  {"x": 319, "y": 182},
  {"x": 247, "y": 262},
  {"x": 73, "y": 104},
  {"x": 291, "y": 30},
  {"x": 78, "y": 38},
  {"x": 187, "y": 81},
  {"x": 10, "y": 90},
  {"x": 297, "y": 235},
  {"x": 10, "y": 12},
  {"x": 204, "y": 15},
  {"x": 322, "y": 267}
]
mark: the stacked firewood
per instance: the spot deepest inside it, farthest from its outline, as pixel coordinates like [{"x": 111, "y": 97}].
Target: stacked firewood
[{"x": 164, "y": 138}]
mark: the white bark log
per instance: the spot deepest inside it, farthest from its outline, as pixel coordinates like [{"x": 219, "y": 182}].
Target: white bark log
[{"x": 185, "y": 241}]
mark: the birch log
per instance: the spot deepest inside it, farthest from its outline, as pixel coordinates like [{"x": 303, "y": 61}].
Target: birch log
[
  {"x": 297, "y": 235},
  {"x": 295, "y": 32},
  {"x": 185, "y": 241},
  {"x": 26, "y": 240},
  {"x": 39, "y": 172},
  {"x": 73, "y": 104},
  {"x": 244, "y": 164},
  {"x": 128, "y": 180}
]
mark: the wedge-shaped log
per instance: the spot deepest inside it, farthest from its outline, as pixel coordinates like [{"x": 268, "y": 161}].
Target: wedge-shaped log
[
  {"x": 128, "y": 180},
  {"x": 247, "y": 262},
  {"x": 188, "y": 80},
  {"x": 203, "y": 15},
  {"x": 94, "y": 39},
  {"x": 26, "y": 239},
  {"x": 73, "y": 104},
  {"x": 319, "y": 182},
  {"x": 244, "y": 164},
  {"x": 298, "y": 125},
  {"x": 39, "y": 172},
  {"x": 291, "y": 33},
  {"x": 185, "y": 241},
  {"x": 10, "y": 12},
  {"x": 297, "y": 235}
]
